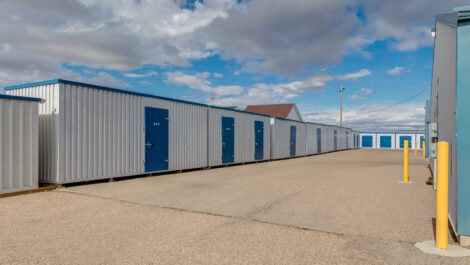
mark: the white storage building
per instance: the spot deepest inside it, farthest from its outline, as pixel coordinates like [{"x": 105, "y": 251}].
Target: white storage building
[
  {"x": 287, "y": 138},
  {"x": 19, "y": 143},
  {"x": 90, "y": 132},
  {"x": 237, "y": 136}
]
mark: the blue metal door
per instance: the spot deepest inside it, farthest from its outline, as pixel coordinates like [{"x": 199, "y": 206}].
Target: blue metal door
[
  {"x": 385, "y": 141},
  {"x": 318, "y": 140},
  {"x": 402, "y": 141},
  {"x": 259, "y": 140},
  {"x": 347, "y": 139},
  {"x": 421, "y": 139},
  {"x": 228, "y": 140},
  {"x": 335, "y": 142},
  {"x": 293, "y": 140},
  {"x": 156, "y": 139},
  {"x": 367, "y": 141}
]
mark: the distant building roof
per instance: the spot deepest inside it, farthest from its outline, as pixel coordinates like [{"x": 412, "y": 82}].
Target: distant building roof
[{"x": 278, "y": 110}]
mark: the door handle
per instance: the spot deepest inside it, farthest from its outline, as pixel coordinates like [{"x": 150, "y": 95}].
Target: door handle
[{"x": 148, "y": 145}]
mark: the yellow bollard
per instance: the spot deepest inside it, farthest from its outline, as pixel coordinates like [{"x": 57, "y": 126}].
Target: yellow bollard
[
  {"x": 424, "y": 149},
  {"x": 442, "y": 199},
  {"x": 405, "y": 163}
]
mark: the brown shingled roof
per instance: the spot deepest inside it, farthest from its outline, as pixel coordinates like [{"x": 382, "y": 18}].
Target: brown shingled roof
[{"x": 278, "y": 110}]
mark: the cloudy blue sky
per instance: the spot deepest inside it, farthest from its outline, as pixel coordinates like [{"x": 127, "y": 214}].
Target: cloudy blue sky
[{"x": 238, "y": 52}]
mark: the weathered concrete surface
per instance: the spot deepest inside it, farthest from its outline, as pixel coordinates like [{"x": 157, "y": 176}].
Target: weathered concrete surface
[
  {"x": 339, "y": 208},
  {"x": 353, "y": 192}
]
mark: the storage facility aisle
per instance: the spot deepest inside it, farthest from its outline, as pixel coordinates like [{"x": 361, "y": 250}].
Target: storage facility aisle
[{"x": 342, "y": 208}]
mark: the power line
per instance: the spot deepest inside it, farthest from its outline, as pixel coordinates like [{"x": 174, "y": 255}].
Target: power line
[{"x": 399, "y": 103}]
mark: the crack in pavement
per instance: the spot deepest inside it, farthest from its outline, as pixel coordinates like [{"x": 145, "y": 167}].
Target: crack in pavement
[{"x": 270, "y": 205}]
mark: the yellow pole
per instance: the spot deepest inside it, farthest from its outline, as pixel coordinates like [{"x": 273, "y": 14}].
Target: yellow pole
[
  {"x": 405, "y": 163},
  {"x": 442, "y": 200},
  {"x": 424, "y": 149}
]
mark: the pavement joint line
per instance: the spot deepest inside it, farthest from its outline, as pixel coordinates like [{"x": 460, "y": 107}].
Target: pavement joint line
[{"x": 239, "y": 218}]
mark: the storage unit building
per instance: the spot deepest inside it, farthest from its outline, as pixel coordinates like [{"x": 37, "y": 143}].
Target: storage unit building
[
  {"x": 368, "y": 140},
  {"x": 316, "y": 138},
  {"x": 390, "y": 140},
  {"x": 19, "y": 143},
  {"x": 237, "y": 136},
  {"x": 287, "y": 138},
  {"x": 447, "y": 119},
  {"x": 90, "y": 132},
  {"x": 386, "y": 141},
  {"x": 400, "y": 139}
]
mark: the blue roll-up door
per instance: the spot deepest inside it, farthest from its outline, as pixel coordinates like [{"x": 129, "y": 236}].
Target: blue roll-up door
[
  {"x": 403, "y": 139},
  {"x": 385, "y": 141},
  {"x": 156, "y": 139},
  {"x": 318, "y": 140},
  {"x": 259, "y": 140},
  {"x": 293, "y": 140},
  {"x": 367, "y": 141},
  {"x": 228, "y": 140}
]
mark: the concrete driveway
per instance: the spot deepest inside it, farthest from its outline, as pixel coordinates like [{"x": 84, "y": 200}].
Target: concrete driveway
[{"x": 338, "y": 208}]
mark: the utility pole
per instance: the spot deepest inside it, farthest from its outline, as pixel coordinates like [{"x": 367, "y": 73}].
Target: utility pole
[
  {"x": 341, "y": 90},
  {"x": 212, "y": 98}
]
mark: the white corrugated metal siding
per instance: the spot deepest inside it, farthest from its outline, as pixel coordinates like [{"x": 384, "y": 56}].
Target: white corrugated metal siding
[
  {"x": 281, "y": 138},
  {"x": 104, "y": 134},
  {"x": 48, "y": 128},
  {"x": 19, "y": 145},
  {"x": 88, "y": 133},
  {"x": 244, "y": 135},
  {"x": 188, "y": 133},
  {"x": 311, "y": 138}
]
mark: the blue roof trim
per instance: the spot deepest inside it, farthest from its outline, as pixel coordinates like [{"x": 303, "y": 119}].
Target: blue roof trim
[
  {"x": 63, "y": 81},
  {"x": 236, "y": 110},
  {"x": 25, "y": 85},
  {"x": 20, "y": 98}
]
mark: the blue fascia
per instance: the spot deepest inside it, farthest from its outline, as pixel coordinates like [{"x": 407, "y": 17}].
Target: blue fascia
[{"x": 20, "y": 98}]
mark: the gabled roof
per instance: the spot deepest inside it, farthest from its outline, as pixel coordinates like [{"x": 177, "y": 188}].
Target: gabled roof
[{"x": 278, "y": 110}]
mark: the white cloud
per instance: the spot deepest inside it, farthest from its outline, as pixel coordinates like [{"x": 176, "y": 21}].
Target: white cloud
[
  {"x": 276, "y": 93},
  {"x": 104, "y": 79},
  {"x": 260, "y": 93},
  {"x": 37, "y": 37},
  {"x": 104, "y": 34},
  {"x": 140, "y": 75},
  {"x": 363, "y": 94},
  {"x": 355, "y": 75},
  {"x": 366, "y": 118},
  {"x": 199, "y": 82},
  {"x": 397, "y": 70},
  {"x": 217, "y": 75}
]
